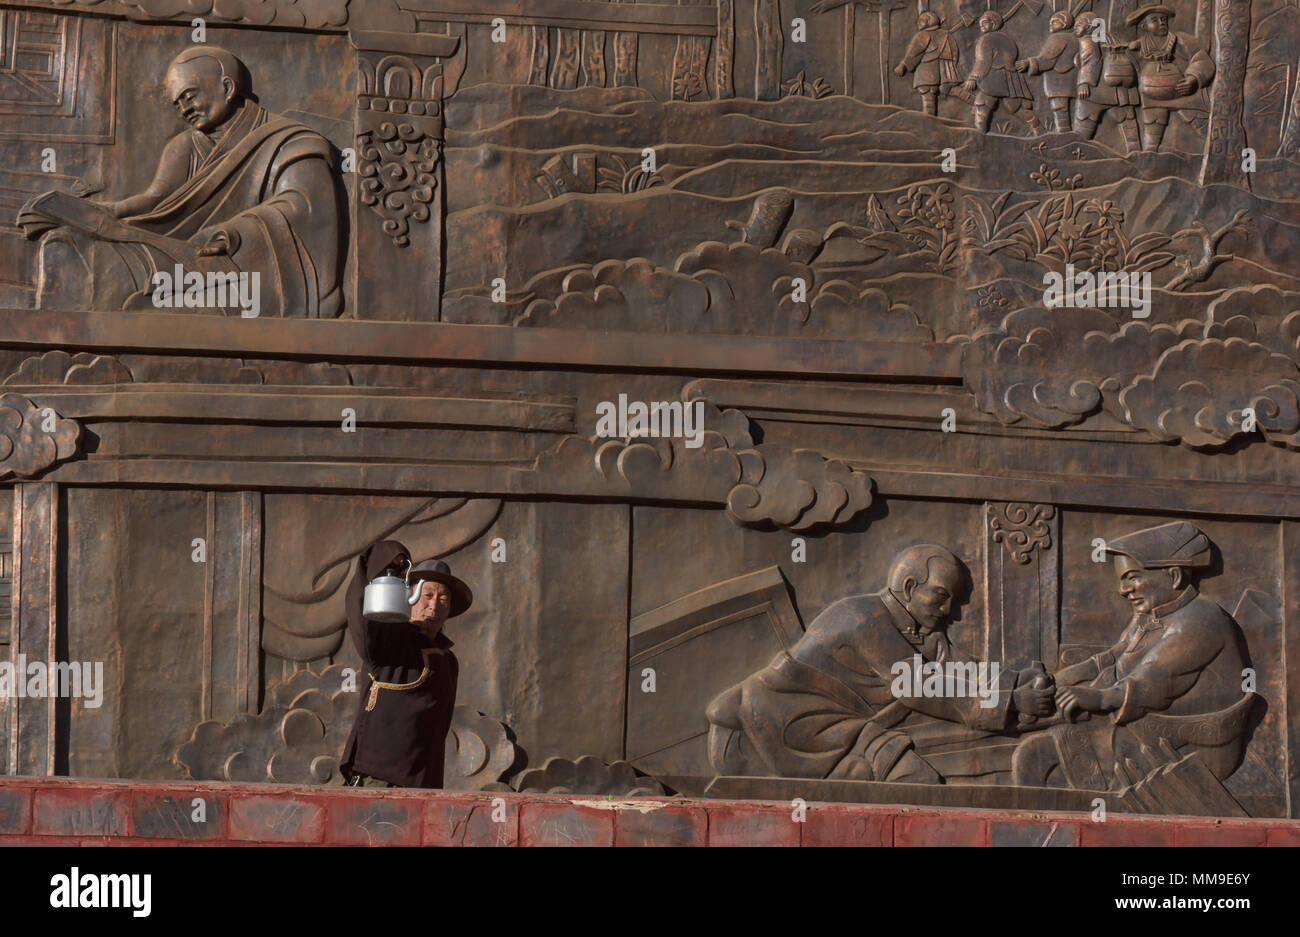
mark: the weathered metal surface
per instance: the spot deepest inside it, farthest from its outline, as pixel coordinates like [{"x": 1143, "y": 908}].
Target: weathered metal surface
[{"x": 675, "y": 350}]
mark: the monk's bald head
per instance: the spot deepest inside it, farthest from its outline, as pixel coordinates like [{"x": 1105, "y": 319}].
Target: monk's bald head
[
  {"x": 925, "y": 579},
  {"x": 206, "y": 84}
]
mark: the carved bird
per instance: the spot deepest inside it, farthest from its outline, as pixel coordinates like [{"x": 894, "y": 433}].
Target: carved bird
[{"x": 1197, "y": 268}]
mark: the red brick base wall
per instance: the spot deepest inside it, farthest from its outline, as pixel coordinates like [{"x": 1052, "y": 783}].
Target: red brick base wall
[{"x": 36, "y": 811}]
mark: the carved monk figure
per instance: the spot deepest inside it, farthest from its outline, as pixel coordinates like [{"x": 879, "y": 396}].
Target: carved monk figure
[
  {"x": 829, "y": 707},
  {"x": 1056, "y": 63},
  {"x": 932, "y": 56},
  {"x": 1173, "y": 68},
  {"x": 1171, "y": 685},
  {"x": 242, "y": 191},
  {"x": 1107, "y": 84},
  {"x": 994, "y": 77}
]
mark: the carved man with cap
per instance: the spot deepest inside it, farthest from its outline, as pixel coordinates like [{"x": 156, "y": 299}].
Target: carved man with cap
[
  {"x": 1107, "y": 85},
  {"x": 994, "y": 78},
  {"x": 408, "y": 692},
  {"x": 1173, "y": 68},
  {"x": 1180, "y": 656},
  {"x": 932, "y": 56},
  {"x": 1056, "y": 63}
]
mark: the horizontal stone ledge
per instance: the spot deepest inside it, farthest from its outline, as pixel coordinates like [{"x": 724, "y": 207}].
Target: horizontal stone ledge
[
  {"x": 35, "y": 811},
  {"x": 315, "y": 405},
  {"x": 520, "y": 480},
  {"x": 689, "y": 20},
  {"x": 450, "y": 343},
  {"x": 1239, "y": 499}
]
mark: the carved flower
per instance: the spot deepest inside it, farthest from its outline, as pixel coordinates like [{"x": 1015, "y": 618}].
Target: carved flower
[{"x": 1106, "y": 211}]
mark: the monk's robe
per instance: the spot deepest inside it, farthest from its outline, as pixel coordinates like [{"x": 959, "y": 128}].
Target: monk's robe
[
  {"x": 269, "y": 179},
  {"x": 825, "y": 708}
]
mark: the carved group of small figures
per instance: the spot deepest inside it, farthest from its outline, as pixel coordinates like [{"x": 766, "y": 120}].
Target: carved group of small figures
[{"x": 1085, "y": 77}]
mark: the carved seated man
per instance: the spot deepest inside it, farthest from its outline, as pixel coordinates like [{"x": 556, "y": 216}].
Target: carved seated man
[
  {"x": 244, "y": 191},
  {"x": 1171, "y": 686},
  {"x": 829, "y": 707}
]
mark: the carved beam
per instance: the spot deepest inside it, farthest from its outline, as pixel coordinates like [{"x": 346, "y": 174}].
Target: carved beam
[
  {"x": 456, "y": 343},
  {"x": 574, "y": 14}
]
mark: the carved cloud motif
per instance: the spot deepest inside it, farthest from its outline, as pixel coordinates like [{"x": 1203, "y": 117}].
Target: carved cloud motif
[
  {"x": 588, "y": 775},
  {"x": 1199, "y": 390},
  {"x": 1190, "y": 382},
  {"x": 299, "y": 737},
  {"x": 312, "y": 14},
  {"x": 59, "y": 367},
  {"x": 764, "y": 485},
  {"x": 719, "y": 288},
  {"x": 33, "y": 438}
]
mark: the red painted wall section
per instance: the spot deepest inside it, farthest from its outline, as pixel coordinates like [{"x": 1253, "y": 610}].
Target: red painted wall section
[{"x": 35, "y": 811}]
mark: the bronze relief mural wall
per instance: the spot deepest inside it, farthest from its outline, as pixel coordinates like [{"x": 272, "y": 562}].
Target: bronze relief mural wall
[{"x": 753, "y": 361}]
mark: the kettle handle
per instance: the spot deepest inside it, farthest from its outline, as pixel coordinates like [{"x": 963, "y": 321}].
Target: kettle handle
[{"x": 413, "y": 593}]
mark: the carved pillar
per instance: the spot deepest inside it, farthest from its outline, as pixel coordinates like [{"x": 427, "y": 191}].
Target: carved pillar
[
  {"x": 1022, "y": 583},
  {"x": 567, "y": 59},
  {"x": 625, "y": 53},
  {"x": 690, "y": 62},
  {"x": 1288, "y": 146},
  {"x": 593, "y": 58},
  {"x": 771, "y": 44},
  {"x": 1291, "y": 663},
  {"x": 232, "y": 607},
  {"x": 724, "y": 85},
  {"x": 398, "y": 222},
  {"x": 539, "y": 59},
  {"x": 34, "y": 634}
]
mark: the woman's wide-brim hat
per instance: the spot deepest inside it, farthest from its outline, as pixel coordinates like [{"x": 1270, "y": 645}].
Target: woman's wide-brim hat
[
  {"x": 1142, "y": 13},
  {"x": 438, "y": 571}
]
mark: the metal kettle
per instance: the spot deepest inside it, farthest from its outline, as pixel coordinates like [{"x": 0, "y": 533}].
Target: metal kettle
[{"x": 388, "y": 598}]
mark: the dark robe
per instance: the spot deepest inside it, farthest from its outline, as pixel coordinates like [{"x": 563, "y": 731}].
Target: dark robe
[
  {"x": 269, "y": 179},
  {"x": 408, "y": 690}
]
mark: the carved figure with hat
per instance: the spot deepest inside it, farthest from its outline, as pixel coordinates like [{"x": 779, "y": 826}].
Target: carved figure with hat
[
  {"x": 1171, "y": 686},
  {"x": 408, "y": 689},
  {"x": 1173, "y": 67}
]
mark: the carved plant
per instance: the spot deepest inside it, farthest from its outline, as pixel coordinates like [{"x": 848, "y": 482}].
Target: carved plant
[
  {"x": 1051, "y": 180},
  {"x": 1062, "y": 229},
  {"x": 688, "y": 86},
  {"x": 925, "y": 217},
  {"x": 799, "y": 86},
  {"x": 625, "y": 178}
]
